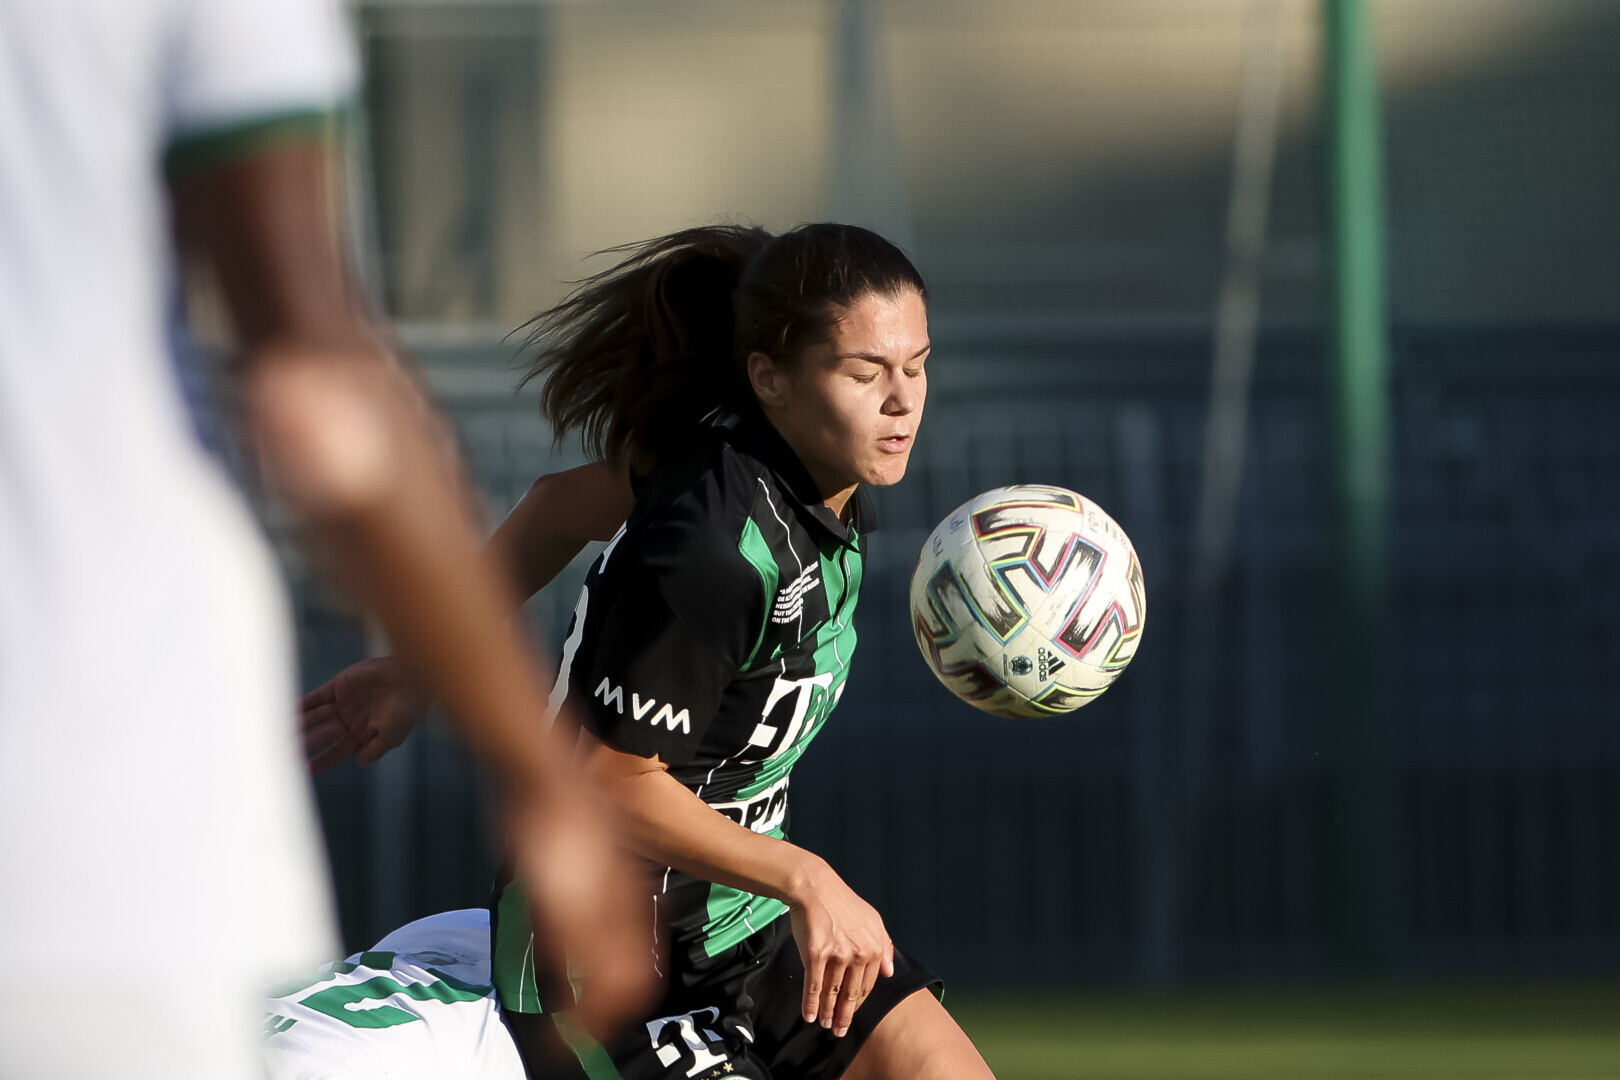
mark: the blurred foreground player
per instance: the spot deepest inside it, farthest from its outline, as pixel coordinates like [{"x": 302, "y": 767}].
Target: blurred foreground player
[{"x": 153, "y": 819}]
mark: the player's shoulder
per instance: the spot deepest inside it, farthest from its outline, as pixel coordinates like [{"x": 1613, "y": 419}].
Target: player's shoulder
[
  {"x": 698, "y": 507},
  {"x": 683, "y": 540}
]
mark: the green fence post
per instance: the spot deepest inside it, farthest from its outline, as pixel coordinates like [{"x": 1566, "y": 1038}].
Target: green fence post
[{"x": 1363, "y": 809}]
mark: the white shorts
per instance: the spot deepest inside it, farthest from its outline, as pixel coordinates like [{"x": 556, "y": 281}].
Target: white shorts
[{"x": 418, "y": 1006}]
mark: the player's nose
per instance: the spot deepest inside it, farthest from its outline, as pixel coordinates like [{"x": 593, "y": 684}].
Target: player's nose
[{"x": 904, "y": 397}]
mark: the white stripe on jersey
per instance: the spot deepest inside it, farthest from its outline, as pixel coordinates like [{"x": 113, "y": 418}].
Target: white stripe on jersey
[
  {"x": 791, "y": 549},
  {"x": 559, "y": 689}
]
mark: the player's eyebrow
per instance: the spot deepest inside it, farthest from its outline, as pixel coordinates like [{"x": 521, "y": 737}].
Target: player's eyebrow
[{"x": 879, "y": 358}]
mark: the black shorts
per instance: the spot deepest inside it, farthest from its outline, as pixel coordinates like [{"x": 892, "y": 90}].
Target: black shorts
[{"x": 737, "y": 1016}]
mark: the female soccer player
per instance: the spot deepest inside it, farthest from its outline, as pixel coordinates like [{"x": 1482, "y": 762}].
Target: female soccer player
[{"x": 749, "y": 386}]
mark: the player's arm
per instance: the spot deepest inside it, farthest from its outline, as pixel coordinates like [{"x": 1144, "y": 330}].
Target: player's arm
[
  {"x": 669, "y": 637},
  {"x": 841, "y": 937},
  {"x": 554, "y": 520},
  {"x": 348, "y": 442},
  {"x": 372, "y": 706}
]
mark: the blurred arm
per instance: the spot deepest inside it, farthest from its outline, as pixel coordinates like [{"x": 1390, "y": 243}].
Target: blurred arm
[
  {"x": 370, "y": 707},
  {"x": 349, "y": 443},
  {"x": 352, "y": 447}
]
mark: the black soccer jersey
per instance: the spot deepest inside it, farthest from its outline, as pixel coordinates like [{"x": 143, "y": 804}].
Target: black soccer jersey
[{"x": 715, "y": 631}]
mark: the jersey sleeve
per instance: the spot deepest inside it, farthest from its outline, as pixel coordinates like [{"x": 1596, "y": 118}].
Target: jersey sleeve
[
  {"x": 672, "y": 635},
  {"x": 237, "y": 64}
]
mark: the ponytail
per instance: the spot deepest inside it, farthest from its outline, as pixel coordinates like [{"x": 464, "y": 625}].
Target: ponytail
[
  {"x": 640, "y": 352},
  {"x": 637, "y": 354}
]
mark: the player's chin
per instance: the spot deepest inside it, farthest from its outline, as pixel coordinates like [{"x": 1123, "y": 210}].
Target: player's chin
[{"x": 887, "y": 470}]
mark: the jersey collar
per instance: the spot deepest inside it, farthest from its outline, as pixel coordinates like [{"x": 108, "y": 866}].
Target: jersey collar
[{"x": 747, "y": 429}]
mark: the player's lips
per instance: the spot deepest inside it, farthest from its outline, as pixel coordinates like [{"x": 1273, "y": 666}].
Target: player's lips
[{"x": 895, "y": 444}]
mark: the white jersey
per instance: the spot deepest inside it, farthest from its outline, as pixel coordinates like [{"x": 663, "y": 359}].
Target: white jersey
[
  {"x": 417, "y": 1006},
  {"x": 150, "y": 792}
]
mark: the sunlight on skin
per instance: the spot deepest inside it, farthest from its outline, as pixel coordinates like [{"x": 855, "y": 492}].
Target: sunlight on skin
[{"x": 850, "y": 407}]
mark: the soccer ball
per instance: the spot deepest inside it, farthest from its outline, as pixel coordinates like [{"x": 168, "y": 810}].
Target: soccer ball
[{"x": 1028, "y": 601}]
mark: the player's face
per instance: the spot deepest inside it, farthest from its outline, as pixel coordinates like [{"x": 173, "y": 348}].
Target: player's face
[{"x": 850, "y": 407}]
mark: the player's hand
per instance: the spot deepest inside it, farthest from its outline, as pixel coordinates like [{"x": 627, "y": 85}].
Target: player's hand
[
  {"x": 843, "y": 944},
  {"x": 365, "y": 711},
  {"x": 587, "y": 907}
]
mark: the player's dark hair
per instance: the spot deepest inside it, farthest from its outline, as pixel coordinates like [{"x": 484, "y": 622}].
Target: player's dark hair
[{"x": 638, "y": 353}]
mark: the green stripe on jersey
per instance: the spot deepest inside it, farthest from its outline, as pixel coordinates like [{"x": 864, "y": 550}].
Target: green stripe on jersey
[
  {"x": 593, "y": 1057},
  {"x": 512, "y": 966},
  {"x": 211, "y": 148},
  {"x": 835, "y": 645},
  {"x": 753, "y": 547},
  {"x": 735, "y": 915},
  {"x": 338, "y": 1001}
]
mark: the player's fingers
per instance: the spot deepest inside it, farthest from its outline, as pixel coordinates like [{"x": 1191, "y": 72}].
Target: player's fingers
[
  {"x": 850, "y": 996},
  {"x": 331, "y": 755},
  {"x": 872, "y": 973},
  {"x": 372, "y": 747},
  {"x": 321, "y": 713},
  {"x": 318, "y": 737},
  {"x": 321, "y": 695},
  {"x": 832, "y": 987},
  {"x": 888, "y": 958},
  {"x": 388, "y": 729},
  {"x": 320, "y": 763},
  {"x": 814, "y": 972}
]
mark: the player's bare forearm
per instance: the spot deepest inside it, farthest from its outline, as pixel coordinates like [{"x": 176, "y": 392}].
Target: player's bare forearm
[
  {"x": 841, "y": 938},
  {"x": 664, "y": 822}
]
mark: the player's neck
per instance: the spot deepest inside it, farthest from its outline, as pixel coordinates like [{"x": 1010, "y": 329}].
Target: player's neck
[{"x": 840, "y": 503}]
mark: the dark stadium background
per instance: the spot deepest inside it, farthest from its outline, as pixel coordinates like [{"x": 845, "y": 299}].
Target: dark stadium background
[{"x": 1225, "y": 843}]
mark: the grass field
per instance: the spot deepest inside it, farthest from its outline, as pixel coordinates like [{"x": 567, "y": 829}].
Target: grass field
[{"x": 1564, "y": 1031}]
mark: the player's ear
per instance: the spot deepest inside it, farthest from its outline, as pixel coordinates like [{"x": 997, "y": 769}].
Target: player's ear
[{"x": 768, "y": 379}]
